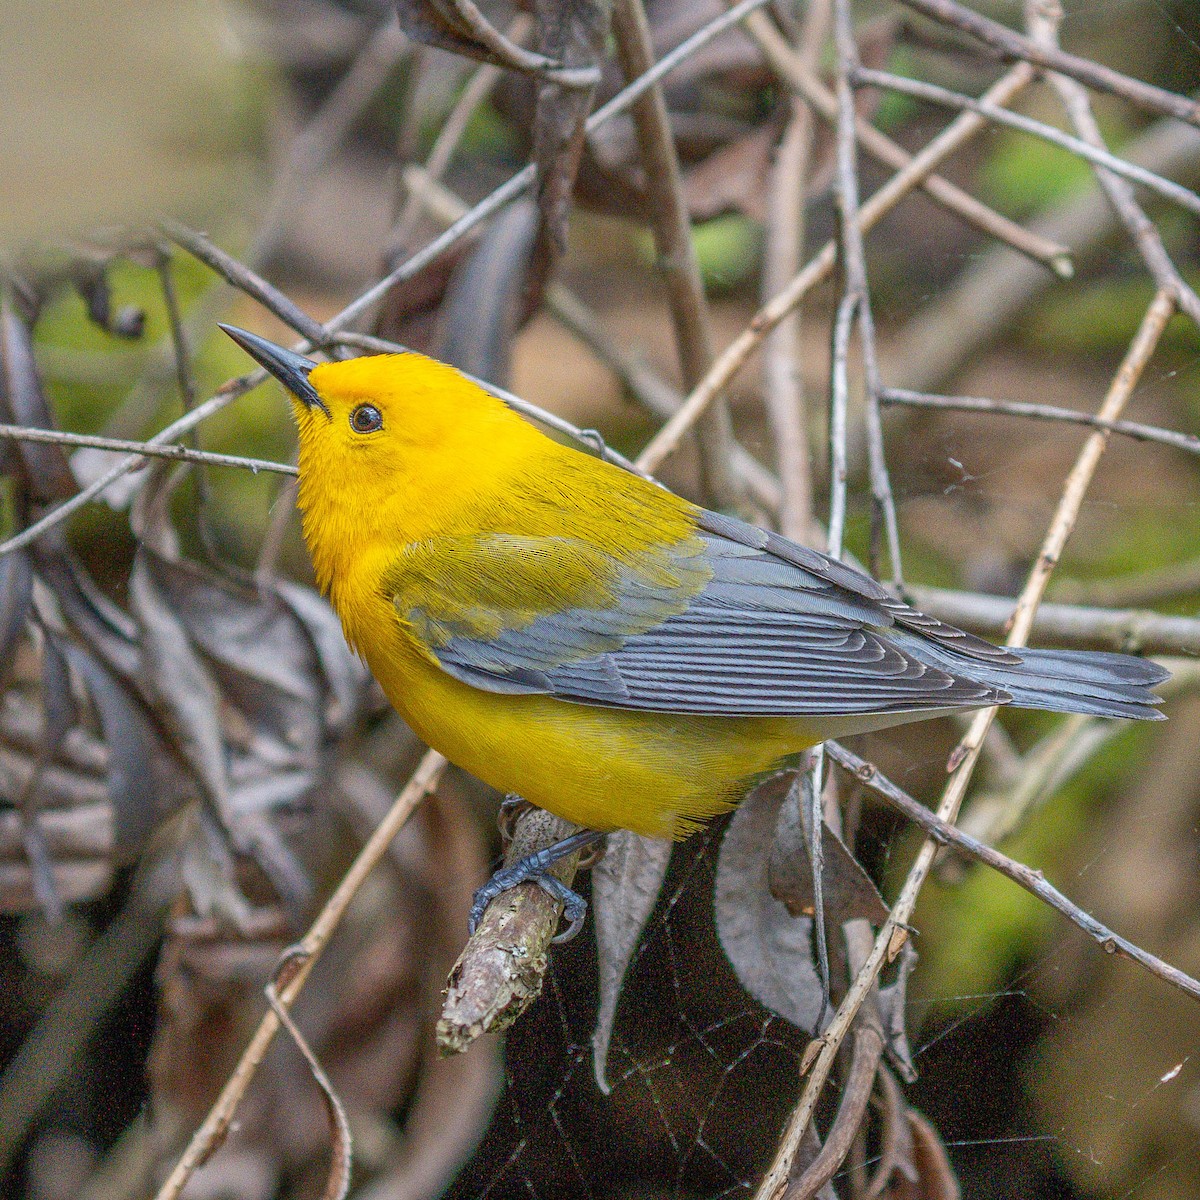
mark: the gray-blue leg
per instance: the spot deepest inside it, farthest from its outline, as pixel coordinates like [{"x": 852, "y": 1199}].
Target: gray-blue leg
[{"x": 533, "y": 869}]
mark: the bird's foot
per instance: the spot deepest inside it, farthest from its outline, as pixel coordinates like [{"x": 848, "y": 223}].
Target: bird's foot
[{"x": 535, "y": 869}]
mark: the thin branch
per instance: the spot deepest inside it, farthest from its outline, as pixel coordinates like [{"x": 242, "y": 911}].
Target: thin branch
[
  {"x": 1042, "y": 412},
  {"x": 782, "y": 258},
  {"x": 820, "y": 267},
  {"x": 839, "y": 389},
  {"x": 190, "y": 420},
  {"x": 524, "y": 179},
  {"x": 25, "y": 433},
  {"x": 804, "y": 82},
  {"x": 860, "y": 1081},
  {"x": 855, "y": 266},
  {"x": 676, "y": 249},
  {"x": 1125, "y": 629},
  {"x": 515, "y": 57},
  {"x": 946, "y": 834},
  {"x": 212, "y": 1132},
  {"x": 246, "y": 280},
  {"x": 1012, "y": 45},
  {"x": 964, "y": 759},
  {"x": 1001, "y": 116},
  {"x": 1043, "y": 19}
]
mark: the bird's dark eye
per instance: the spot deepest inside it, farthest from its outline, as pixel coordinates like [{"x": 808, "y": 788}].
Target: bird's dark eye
[{"x": 366, "y": 418}]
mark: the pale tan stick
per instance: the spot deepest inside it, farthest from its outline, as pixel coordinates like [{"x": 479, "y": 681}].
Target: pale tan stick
[
  {"x": 212, "y": 1132},
  {"x": 893, "y": 932},
  {"x": 819, "y": 268}
]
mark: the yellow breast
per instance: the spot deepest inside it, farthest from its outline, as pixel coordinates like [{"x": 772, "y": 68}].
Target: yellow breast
[{"x": 658, "y": 774}]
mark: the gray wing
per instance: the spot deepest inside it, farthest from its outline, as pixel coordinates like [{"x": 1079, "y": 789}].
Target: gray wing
[{"x": 777, "y": 629}]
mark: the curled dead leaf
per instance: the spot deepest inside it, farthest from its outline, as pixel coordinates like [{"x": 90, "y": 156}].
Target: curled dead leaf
[
  {"x": 626, "y": 884},
  {"x": 770, "y": 950}
]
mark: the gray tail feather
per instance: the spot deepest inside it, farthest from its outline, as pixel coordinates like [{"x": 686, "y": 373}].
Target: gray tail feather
[
  {"x": 1083, "y": 681},
  {"x": 1070, "y": 681}
]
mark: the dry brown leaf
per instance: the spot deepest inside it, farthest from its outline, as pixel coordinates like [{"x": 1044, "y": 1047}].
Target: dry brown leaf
[
  {"x": 626, "y": 884},
  {"x": 847, "y": 890},
  {"x": 771, "y": 951},
  {"x": 488, "y": 296},
  {"x": 47, "y": 477}
]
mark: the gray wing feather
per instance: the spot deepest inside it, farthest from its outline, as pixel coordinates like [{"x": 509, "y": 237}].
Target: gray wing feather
[{"x": 778, "y": 629}]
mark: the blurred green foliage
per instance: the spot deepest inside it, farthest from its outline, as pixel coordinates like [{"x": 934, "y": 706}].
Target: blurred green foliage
[
  {"x": 728, "y": 249},
  {"x": 94, "y": 382},
  {"x": 976, "y": 933}
]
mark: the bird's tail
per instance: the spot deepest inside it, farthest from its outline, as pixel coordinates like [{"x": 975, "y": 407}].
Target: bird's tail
[{"x": 1069, "y": 681}]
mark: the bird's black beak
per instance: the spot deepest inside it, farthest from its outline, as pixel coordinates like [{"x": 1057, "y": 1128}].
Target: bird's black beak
[{"x": 289, "y": 368}]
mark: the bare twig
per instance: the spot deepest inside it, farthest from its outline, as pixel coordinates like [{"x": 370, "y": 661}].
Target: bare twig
[
  {"x": 1043, "y": 18},
  {"x": 804, "y": 82},
  {"x": 965, "y": 757},
  {"x": 782, "y": 378},
  {"x": 189, "y": 420},
  {"x": 1012, "y": 45},
  {"x": 939, "y": 95},
  {"x": 675, "y": 247},
  {"x": 855, "y": 266},
  {"x": 820, "y": 267},
  {"x": 1032, "y": 881},
  {"x": 337, "y": 1183},
  {"x": 839, "y": 389},
  {"x": 23, "y": 433},
  {"x": 211, "y": 1133},
  {"x": 246, "y": 280},
  {"x": 1042, "y": 412},
  {"x": 860, "y": 1081},
  {"x": 474, "y": 25},
  {"x": 1122, "y": 629}
]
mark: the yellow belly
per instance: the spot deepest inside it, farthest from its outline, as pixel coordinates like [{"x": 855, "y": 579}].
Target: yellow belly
[{"x": 658, "y": 774}]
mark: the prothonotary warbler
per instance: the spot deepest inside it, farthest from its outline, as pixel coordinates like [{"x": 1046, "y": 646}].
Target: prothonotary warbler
[{"x": 579, "y": 636}]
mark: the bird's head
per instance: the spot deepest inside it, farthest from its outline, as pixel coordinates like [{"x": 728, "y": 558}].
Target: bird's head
[{"x": 389, "y": 444}]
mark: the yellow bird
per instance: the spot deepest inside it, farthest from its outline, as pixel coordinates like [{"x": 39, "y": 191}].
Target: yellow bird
[{"x": 577, "y": 635}]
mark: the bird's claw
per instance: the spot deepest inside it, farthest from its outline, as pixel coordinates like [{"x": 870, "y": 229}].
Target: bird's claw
[
  {"x": 530, "y": 871},
  {"x": 535, "y": 869}
]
